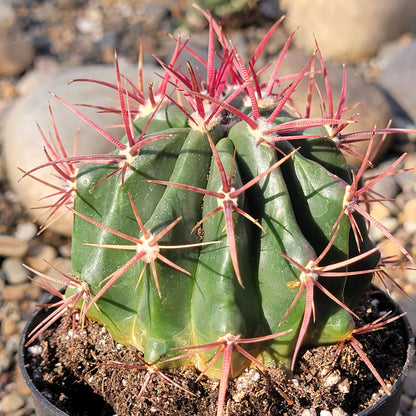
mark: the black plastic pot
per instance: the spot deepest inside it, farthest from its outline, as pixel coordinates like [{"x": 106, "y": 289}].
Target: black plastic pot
[
  {"x": 389, "y": 404},
  {"x": 82, "y": 398},
  {"x": 79, "y": 399}
]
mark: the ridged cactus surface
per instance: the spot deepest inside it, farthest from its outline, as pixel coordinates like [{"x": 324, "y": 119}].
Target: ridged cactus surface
[{"x": 243, "y": 282}]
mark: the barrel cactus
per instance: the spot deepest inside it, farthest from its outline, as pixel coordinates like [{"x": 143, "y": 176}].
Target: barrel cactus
[{"x": 225, "y": 229}]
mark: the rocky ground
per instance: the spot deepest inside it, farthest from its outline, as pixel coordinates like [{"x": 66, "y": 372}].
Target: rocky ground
[{"x": 45, "y": 43}]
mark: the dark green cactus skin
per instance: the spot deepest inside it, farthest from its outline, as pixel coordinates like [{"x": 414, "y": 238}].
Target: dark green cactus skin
[
  {"x": 297, "y": 205},
  {"x": 219, "y": 305}
]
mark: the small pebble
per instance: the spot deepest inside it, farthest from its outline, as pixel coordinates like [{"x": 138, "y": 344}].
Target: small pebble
[
  {"x": 410, "y": 227},
  {"x": 332, "y": 379},
  {"x": 344, "y": 386},
  {"x": 39, "y": 257},
  {"x": 8, "y": 327},
  {"x": 16, "y": 54},
  {"x": 35, "y": 350},
  {"x": 26, "y": 231},
  {"x": 14, "y": 271},
  {"x": 20, "y": 292},
  {"x": 391, "y": 223},
  {"x": 89, "y": 25},
  {"x": 380, "y": 212},
  {"x": 11, "y": 402},
  {"x": 406, "y": 403},
  {"x": 6, "y": 358},
  {"x": 411, "y": 278},
  {"x": 338, "y": 412},
  {"x": 63, "y": 265},
  {"x": 410, "y": 210},
  {"x": 409, "y": 385},
  {"x": 65, "y": 250},
  {"x": 412, "y": 412},
  {"x": 408, "y": 216},
  {"x": 12, "y": 246}
]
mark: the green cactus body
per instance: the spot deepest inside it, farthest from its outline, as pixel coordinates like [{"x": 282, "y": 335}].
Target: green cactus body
[
  {"x": 158, "y": 160},
  {"x": 166, "y": 317},
  {"x": 220, "y": 305},
  {"x": 318, "y": 196},
  {"x": 274, "y": 273},
  {"x": 173, "y": 264},
  {"x": 296, "y": 204}
]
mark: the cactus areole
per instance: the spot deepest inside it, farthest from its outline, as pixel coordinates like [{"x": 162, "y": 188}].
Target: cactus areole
[{"x": 226, "y": 229}]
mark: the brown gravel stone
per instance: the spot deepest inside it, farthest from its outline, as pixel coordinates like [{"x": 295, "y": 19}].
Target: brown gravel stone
[
  {"x": 409, "y": 211},
  {"x": 12, "y": 247},
  {"x": 19, "y": 292}
]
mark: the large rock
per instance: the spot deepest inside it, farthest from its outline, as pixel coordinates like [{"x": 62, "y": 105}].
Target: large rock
[
  {"x": 22, "y": 141},
  {"x": 348, "y": 31},
  {"x": 398, "y": 77}
]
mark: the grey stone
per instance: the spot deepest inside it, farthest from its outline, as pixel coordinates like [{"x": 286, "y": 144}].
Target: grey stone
[
  {"x": 410, "y": 307},
  {"x": 388, "y": 186},
  {"x": 25, "y": 231},
  {"x": 412, "y": 412},
  {"x": 6, "y": 358},
  {"x": 409, "y": 385},
  {"x": 15, "y": 272},
  {"x": 398, "y": 76},
  {"x": 348, "y": 31},
  {"x": 405, "y": 404}
]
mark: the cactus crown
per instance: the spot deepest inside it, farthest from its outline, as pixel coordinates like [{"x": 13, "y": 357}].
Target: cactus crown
[{"x": 225, "y": 228}]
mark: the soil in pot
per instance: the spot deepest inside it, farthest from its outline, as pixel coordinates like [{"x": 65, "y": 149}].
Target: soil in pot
[{"x": 323, "y": 379}]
